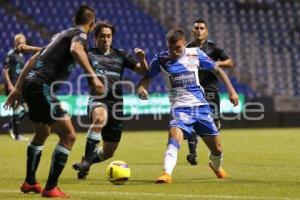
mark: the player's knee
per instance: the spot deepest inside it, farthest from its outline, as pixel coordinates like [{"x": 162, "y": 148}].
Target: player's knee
[
  {"x": 99, "y": 123},
  {"x": 69, "y": 139}
]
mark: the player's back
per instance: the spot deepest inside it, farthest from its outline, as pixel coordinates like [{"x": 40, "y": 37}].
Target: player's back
[{"x": 55, "y": 60}]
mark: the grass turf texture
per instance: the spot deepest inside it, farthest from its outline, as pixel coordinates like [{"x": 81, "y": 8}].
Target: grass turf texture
[{"x": 261, "y": 163}]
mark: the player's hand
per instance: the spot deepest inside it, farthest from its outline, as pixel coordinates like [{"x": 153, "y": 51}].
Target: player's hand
[
  {"x": 23, "y": 48},
  {"x": 11, "y": 99},
  {"x": 234, "y": 98},
  {"x": 143, "y": 93},
  {"x": 98, "y": 85},
  {"x": 10, "y": 88},
  {"x": 140, "y": 53}
]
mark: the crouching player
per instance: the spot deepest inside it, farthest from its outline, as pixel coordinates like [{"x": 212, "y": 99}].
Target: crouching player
[
  {"x": 106, "y": 112},
  {"x": 189, "y": 109}
]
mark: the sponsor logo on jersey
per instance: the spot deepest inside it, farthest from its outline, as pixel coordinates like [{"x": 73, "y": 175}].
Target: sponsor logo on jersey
[{"x": 183, "y": 79}]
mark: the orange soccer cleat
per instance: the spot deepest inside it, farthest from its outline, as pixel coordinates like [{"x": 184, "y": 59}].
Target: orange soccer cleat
[
  {"x": 219, "y": 173},
  {"x": 26, "y": 188},
  {"x": 165, "y": 178},
  {"x": 53, "y": 193}
]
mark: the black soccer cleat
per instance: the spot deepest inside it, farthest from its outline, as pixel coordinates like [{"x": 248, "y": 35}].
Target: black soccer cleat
[
  {"x": 83, "y": 168},
  {"x": 192, "y": 159}
]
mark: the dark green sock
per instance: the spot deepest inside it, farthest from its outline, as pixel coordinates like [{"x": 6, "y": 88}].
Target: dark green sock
[
  {"x": 34, "y": 153},
  {"x": 59, "y": 159},
  {"x": 90, "y": 148}
]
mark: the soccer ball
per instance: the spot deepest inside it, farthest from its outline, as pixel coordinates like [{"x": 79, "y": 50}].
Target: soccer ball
[{"x": 118, "y": 172}]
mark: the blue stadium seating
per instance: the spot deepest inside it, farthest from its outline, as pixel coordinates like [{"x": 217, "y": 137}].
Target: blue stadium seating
[{"x": 255, "y": 33}]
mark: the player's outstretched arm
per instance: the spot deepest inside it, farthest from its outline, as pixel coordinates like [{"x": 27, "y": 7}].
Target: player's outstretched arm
[
  {"x": 223, "y": 76},
  {"x": 228, "y": 63},
  {"x": 142, "y": 66},
  {"x": 142, "y": 89},
  {"x": 15, "y": 94},
  {"x": 78, "y": 52},
  {"x": 28, "y": 49}
]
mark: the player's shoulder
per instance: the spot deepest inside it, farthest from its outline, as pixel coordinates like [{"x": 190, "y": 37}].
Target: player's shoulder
[
  {"x": 10, "y": 52},
  {"x": 161, "y": 57},
  {"x": 211, "y": 42},
  {"x": 163, "y": 54},
  {"x": 119, "y": 51},
  {"x": 75, "y": 30},
  {"x": 193, "y": 51}
]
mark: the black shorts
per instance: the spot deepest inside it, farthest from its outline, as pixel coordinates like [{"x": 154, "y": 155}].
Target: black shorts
[
  {"x": 112, "y": 131},
  {"x": 213, "y": 98},
  {"x": 43, "y": 107}
]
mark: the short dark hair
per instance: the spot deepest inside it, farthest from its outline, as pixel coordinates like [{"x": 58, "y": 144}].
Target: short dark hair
[
  {"x": 83, "y": 15},
  {"x": 202, "y": 21},
  {"x": 103, "y": 24},
  {"x": 175, "y": 34}
]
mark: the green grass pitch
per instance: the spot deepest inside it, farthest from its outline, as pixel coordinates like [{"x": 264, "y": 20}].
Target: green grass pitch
[{"x": 262, "y": 164}]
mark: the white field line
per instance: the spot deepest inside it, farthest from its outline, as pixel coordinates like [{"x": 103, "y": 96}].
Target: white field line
[{"x": 179, "y": 196}]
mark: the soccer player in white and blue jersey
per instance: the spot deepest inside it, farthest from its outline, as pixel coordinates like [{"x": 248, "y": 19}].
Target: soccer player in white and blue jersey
[{"x": 189, "y": 109}]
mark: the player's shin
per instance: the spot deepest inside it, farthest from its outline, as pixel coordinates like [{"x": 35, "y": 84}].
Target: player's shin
[
  {"x": 34, "y": 153},
  {"x": 93, "y": 139},
  {"x": 170, "y": 158}
]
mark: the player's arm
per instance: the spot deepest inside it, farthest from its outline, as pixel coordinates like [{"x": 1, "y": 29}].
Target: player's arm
[
  {"x": 224, "y": 60},
  {"x": 78, "y": 52},
  {"x": 15, "y": 94},
  {"x": 228, "y": 63},
  {"x": 144, "y": 83},
  {"x": 5, "y": 75},
  {"x": 233, "y": 96},
  {"x": 142, "y": 66},
  {"x": 142, "y": 89},
  {"x": 28, "y": 49},
  {"x": 207, "y": 63}
]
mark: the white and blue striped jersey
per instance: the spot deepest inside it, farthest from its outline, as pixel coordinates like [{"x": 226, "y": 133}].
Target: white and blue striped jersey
[{"x": 181, "y": 76}]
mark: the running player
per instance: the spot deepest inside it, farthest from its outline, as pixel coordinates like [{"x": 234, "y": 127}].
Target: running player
[
  {"x": 190, "y": 111},
  {"x": 53, "y": 63},
  {"x": 12, "y": 67},
  {"x": 208, "y": 79},
  {"x": 106, "y": 112}
]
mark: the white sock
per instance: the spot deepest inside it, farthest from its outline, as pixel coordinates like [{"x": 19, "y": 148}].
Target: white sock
[
  {"x": 171, "y": 156},
  {"x": 99, "y": 152},
  {"x": 216, "y": 161},
  {"x": 94, "y": 135}
]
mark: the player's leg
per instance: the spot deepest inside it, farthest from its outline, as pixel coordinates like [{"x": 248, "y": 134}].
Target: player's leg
[
  {"x": 99, "y": 118},
  {"x": 216, "y": 154},
  {"x": 105, "y": 152},
  {"x": 65, "y": 130},
  {"x": 18, "y": 114},
  {"x": 170, "y": 158},
  {"x": 34, "y": 152},
  {"x": 192, "y": 144}
]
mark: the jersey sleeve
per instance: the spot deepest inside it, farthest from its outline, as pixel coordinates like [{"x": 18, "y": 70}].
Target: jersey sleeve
[
  {"x": 81, "y": 38},
  {"x": 205, "y": 61},
  {"x": 129, "y": 61},
  {"x": 154, "y": 68},
  {"x": 6, "y": 61},
  {"x": 221, "y": 54}
]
